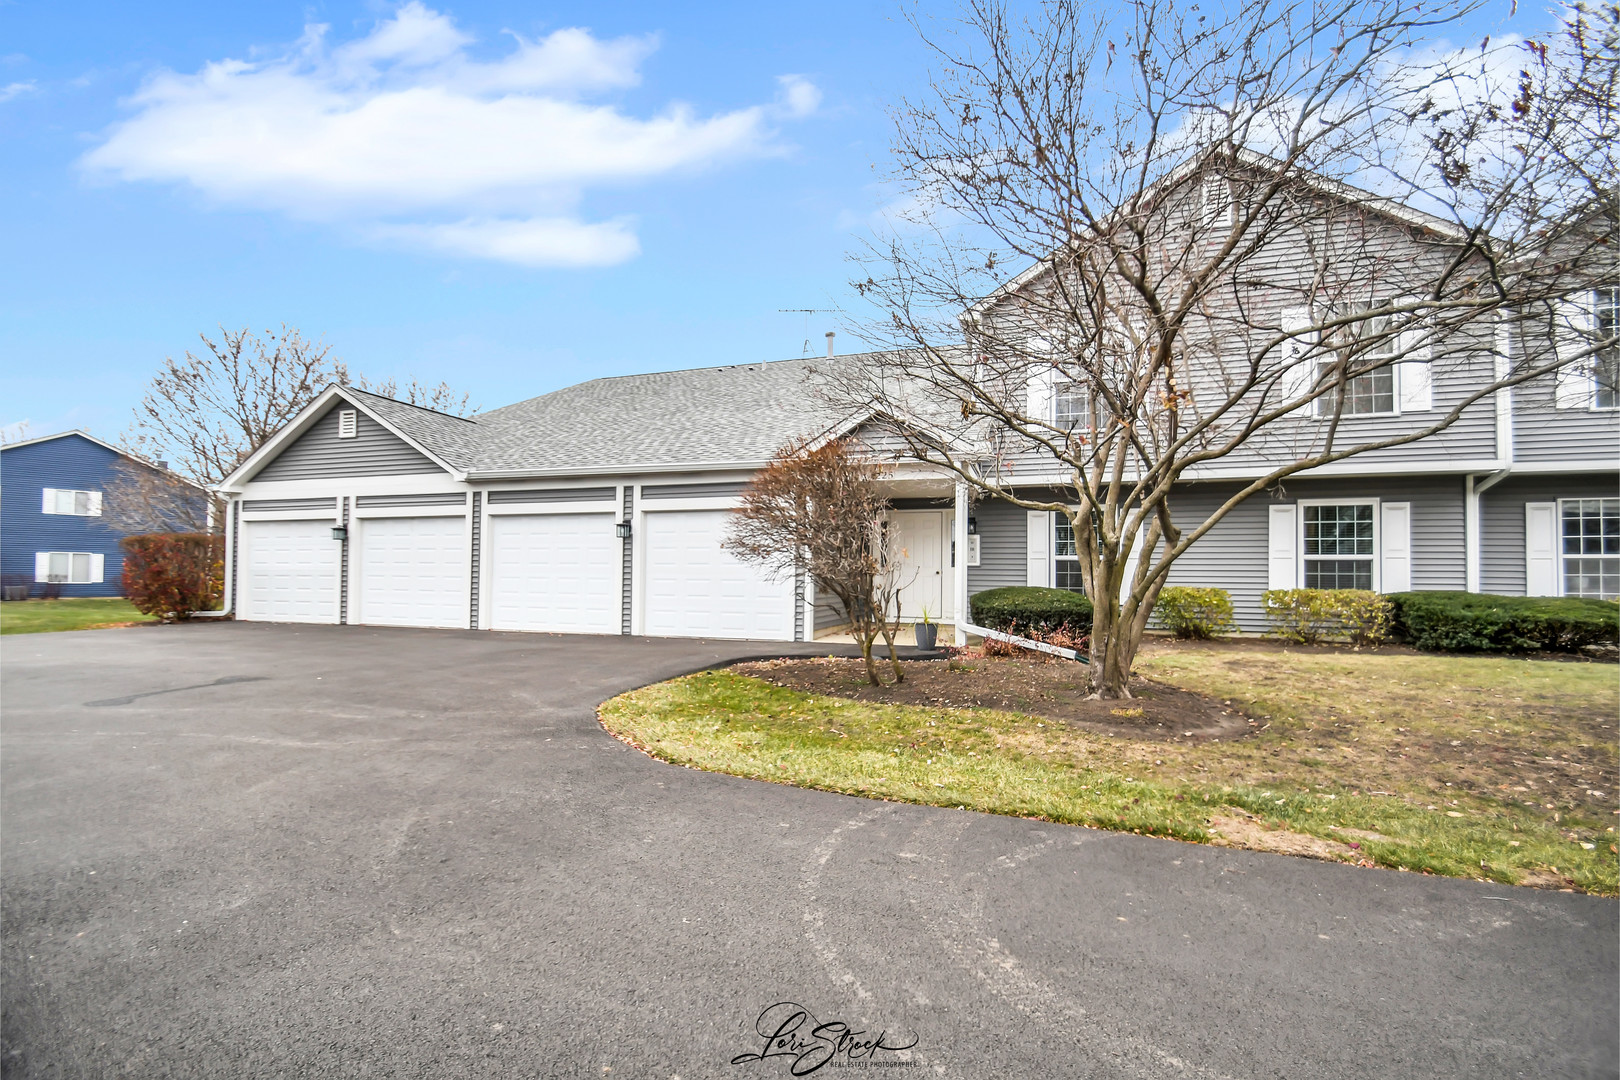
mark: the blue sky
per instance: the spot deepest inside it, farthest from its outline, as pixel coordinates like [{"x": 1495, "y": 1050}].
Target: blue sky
[{"x": 642, "y": 195}]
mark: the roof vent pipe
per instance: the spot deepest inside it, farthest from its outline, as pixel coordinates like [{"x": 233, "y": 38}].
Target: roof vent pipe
[{"x": 830, "y": 336}]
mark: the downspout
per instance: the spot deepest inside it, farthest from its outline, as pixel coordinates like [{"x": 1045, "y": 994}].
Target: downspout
[
  {"x": 1473, "y": 488},
  {"x": 231, "y": 516}
]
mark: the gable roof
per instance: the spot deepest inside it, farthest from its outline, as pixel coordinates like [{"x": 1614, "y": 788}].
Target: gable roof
[
  {"x": 738, "y": 415},
  {"x": 64, "y": 434}
]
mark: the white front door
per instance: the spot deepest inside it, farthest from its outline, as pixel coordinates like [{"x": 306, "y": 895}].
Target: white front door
[
  {"x": 696, "y": 588},
  {"x": 554, "y": 572},
  {"x": 291, "y": 571},
  {"x": 412, "y": 571},
  {"x": 917, "y": 541}
]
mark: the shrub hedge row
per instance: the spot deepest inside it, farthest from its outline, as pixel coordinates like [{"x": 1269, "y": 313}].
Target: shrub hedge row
[
  {"x": 1031, "y": 608},
  {"x": 1194, "y": 613},
  {"x": 1478, "y": 622}
]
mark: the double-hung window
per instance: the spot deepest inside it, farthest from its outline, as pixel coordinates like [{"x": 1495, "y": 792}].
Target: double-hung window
[
  {"x": 1606, "y": 365},
  {"x": 73, "y": 503},
  {"x": 1370, "y": 393},
  {"x": 1339, "y": 546},
  {"x": 1071, "y": 407},
  {"x": 1066, "y": 559},
  {"x": 68, "y": 567},
  {"x": 1591, "y": 547}
]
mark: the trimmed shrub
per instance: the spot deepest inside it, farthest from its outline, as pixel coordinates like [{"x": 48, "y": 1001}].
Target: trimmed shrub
[
  {"x": 1194, "y": 613},
  {"x": 1477, "y": 622},
  {"x": 1309, "y": 616},
  {"x": 174, "y": 574},
  {"x": 1030, "y": 610}
]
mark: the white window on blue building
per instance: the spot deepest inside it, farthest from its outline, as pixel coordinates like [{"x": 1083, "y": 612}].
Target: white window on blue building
[{"x": 72, "y": 503}]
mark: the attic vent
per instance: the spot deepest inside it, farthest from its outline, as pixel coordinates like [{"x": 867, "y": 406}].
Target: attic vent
[{"x": 347, "y": 424}]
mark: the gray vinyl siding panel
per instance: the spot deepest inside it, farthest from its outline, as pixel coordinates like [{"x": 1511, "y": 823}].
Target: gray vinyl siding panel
[
  {"x": 627, "y": 562},
  {"x": 319, "y": 454},
  {"x": 1003, "y": 546},
  {"x": 267, "y": 505},
  {"x": 1501, "y": 521},
  {"x": 730, "y": 490},
  {"x": 1543, "y": 432},
  {"x": 1233, "y": 555},
  {"x": 476, "y": 561},
  {"x": 829, "y": 612},
  {"x": 552, "y": 495},
  {"x": 445, "y": 498},
  {"x": 343, "y": 569}
]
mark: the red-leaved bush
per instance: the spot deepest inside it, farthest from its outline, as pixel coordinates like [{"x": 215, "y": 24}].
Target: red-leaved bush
[{"x": 174, "y": 574}]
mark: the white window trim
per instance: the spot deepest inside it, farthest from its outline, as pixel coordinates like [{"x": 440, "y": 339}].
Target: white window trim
[
  {"x": 1560, "y": 574},
  {"x": 48, "y": 496},
  {"x": 1377, "y": 538},
  {"x": 1589, "y": 370},
  {"x": 97, "y": 571}
]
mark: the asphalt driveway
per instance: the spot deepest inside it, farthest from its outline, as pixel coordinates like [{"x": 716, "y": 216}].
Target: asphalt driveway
[{"x": 251, "y": 851}]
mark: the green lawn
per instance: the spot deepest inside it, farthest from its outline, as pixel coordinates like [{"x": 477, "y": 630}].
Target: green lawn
[
  {"x": 43, "y": 616},
  {"x": 1486, "y": 768}
]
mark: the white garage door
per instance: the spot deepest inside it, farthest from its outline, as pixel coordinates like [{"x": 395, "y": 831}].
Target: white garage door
[
  {"x": 556, "y": 572},
  {"x": 695, "y": 588},
  {"x": 412, "y": 571},
  {"x": 291, "y": 571}
]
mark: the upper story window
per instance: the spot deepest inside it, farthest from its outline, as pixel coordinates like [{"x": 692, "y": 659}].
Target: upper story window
[
  {"x": 73, "y": 503},
  {"x": 1373, "y": 392},
  {"x": 1071, "y": 406},
  {"x": 1606, "y": 368}
]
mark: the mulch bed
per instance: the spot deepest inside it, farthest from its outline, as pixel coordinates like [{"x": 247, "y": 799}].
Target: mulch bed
[{"x": 1054, "y": 690}]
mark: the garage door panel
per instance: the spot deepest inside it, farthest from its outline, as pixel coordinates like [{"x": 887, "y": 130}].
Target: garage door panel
[
  {"x": 557, "y": 573},
  {"x": 412, "y": 571},
  {"x": 291, "y": 571},
  {"x": 696, "y": 588}
]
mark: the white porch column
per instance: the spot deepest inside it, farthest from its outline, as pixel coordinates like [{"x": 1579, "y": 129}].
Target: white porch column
[{"x": 959, "y": 569}]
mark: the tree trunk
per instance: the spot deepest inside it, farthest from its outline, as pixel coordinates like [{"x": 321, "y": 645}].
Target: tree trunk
[{"x": 894, "y": 657}]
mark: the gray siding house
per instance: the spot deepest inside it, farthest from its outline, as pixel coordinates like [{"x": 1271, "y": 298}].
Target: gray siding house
[{"x": 601, "y": 508}]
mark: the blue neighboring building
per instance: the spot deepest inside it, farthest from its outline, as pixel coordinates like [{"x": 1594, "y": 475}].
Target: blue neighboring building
[{"x": 51, "y": 530}]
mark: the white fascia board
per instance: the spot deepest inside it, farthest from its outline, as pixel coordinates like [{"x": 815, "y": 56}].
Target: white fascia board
[
  {"x": 301, "y": 423},
  {"x": 409, "y": 484},
  {"x": 1337, "y": 469},
  {"x": 1543, "y": 467}
]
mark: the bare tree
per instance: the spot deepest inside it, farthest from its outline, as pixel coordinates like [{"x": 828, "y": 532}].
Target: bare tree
[
  {"x": 818, "y": 510},
  {"x": 206, "y": 413},
  {"x": 148, "y": 498},
  {"x": 1240, "y": 223}
]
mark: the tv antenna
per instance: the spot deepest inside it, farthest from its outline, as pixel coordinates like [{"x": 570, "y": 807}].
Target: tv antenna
[{"x": 806, "y": 312}]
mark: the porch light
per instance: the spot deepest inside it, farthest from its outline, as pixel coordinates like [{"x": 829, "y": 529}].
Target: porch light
[
  {"x": 973, "y": 525},
  {"x": 622, "y": 530},
  {"x": 340, "y": 532}
]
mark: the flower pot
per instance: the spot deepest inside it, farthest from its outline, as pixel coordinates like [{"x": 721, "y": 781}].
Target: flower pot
[{"x": 926, "y": 632}]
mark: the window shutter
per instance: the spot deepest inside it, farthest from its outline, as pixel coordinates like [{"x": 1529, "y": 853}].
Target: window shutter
[
  {"x": 47, "y": 504},
  {"x": 1297, "y": 378},
  {"x": 1040, "y": 397},
  {"x": 1039, "y": 571},
  {"x": 42, "y": 566},
  {"x": 1395, "y": 542},
  {"x": 1573, "y": 387},
  {"x": 95, "y": 504},
  {"x": 98, "y": 568},
  {"x": 1282, "y": 562},
  {"x": 1415, "y": 384},
  {"x": 1541, "y": 549}
]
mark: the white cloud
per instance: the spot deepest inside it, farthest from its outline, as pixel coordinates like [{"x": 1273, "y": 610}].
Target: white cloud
[
  {"x": 16, "y": 89},
  {"x": 406, "y": 137}
]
